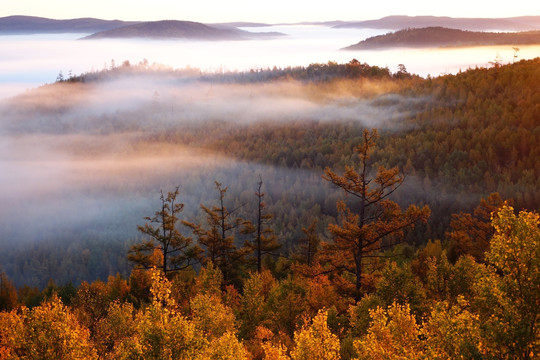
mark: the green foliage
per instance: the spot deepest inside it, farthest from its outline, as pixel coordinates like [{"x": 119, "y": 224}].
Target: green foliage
[
  {"x": 287, "y": 305},
  {"x": 209, "y": 281}
]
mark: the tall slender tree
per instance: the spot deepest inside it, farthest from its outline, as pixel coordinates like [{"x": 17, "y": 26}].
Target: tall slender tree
[
  {"x": 165, "y": 247},
  {"x": 361, "y": 234},
  {"x": 264, "y": 241}
]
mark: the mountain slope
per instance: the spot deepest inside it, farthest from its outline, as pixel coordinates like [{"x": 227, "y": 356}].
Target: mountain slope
[{"x": 440, "y": 37}]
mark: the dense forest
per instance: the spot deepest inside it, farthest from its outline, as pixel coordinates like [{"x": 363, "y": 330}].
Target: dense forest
[{"x": 303, "y": 234}]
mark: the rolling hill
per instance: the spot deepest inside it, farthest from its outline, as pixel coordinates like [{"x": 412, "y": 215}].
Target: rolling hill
[
  {"x": 443, "y": 37},
  {"x": 174, "y": 29},
  {"x": 12, "y": 25}
]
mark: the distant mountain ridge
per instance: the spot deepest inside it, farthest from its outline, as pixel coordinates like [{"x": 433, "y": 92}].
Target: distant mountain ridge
[
  {"x": 175, "y": 29},
  {"x": 399, "y": 22},
  {"x": 18, "y": 24},
  {"x": 441, "y": 37}
]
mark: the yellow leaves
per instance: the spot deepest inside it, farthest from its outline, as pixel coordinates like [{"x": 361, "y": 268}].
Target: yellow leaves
[
  {"x": 12, "y": 327},
  {"x": 452, "y": 332},
  {"x": 48, "y": 331},
  {"x": 393, "y": 334},
  {"x": 161, "y": 290},
  {"x": 316, "y": 342},
  {"x": 225, "y": 347},
  {"x": 510, "y": 291},
  {"x": 274, "y": 352},
  {"x": 211, "y": 316}
]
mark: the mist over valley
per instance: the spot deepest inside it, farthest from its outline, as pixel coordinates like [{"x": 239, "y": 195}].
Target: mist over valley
[{"x": 92, "y": 130}]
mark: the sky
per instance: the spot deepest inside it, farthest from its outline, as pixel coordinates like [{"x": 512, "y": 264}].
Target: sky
[{"x": 275, "y": 11}]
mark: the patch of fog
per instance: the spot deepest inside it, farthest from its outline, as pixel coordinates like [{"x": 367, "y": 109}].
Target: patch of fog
[{"x": 156, "y": 104}]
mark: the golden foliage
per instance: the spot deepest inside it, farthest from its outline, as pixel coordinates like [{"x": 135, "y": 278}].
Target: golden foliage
[
  {"x": 393, "y": 334},
  {"x": 316, "y": 341}
]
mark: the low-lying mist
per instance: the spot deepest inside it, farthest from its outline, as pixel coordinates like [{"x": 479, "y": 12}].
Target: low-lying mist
[
  {"x": 83, "y": 163},
  {"x": 146, "y": 103}
]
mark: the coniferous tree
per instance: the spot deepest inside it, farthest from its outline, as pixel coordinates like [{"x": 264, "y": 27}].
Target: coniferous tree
[
  {"x": 360, "y": 235},
  {"x": 265, "y": 241},
  {"x": 218, "y": 238},
  {"x": 166, "y": 248}
]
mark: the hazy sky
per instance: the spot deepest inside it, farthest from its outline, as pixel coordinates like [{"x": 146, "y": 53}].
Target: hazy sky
[{"x": 274, "y": 11}]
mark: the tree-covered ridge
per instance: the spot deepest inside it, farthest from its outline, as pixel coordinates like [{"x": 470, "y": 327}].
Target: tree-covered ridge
[{"x": 443, "y": 37}]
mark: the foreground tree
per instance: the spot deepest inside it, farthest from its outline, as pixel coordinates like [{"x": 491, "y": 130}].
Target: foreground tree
[
  {"x": 49, "y": 331},
  {"x": 316, "y": 341},
  {"x": 393, "y": 334},
  {"x": 508, "y": 295},
  {"x": 166, "y": 248},
  {"x": 360, "y": 235}
]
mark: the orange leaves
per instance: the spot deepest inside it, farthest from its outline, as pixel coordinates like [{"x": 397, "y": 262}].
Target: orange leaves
[{"x": 376, "y": 218}]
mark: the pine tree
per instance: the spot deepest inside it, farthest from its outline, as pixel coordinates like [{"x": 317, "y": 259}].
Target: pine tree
[
  {"x": 265, "y": 241},
  {"x": 166, "y": 248},
  {"x": 360, "y": 235},
  {"x": 218, "y": 238}
]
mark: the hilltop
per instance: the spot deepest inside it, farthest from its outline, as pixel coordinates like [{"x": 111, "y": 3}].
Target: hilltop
[
  {"x": 12, "y": 25},
  {"x": 174, "y": 29},
  {"x": 441, "y": 37}
]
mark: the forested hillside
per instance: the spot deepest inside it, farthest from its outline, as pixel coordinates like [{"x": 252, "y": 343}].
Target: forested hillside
[{"x": 337, "y": 211}]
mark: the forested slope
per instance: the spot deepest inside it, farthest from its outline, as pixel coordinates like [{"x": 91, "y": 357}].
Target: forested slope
[{"x": 457, "y": 138}]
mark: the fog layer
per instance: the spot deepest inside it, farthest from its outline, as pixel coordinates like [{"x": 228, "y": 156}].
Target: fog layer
[{"x": 29, "y": 61}]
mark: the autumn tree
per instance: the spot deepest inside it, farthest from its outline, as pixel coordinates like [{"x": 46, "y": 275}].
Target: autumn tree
[
  {"x": 316, "y": 341},
  {"x": 265, "y": 241},
  {"x": 392, "y": 334},
  {"x": 508, "y": 295},
  {"x": 378, "y": 222},
  {"x": 471, "y": 233},
  {"x": 218, "y": 237},
  {"x": 165, "y": 248},
  {"x": 48, "y": 331}
]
